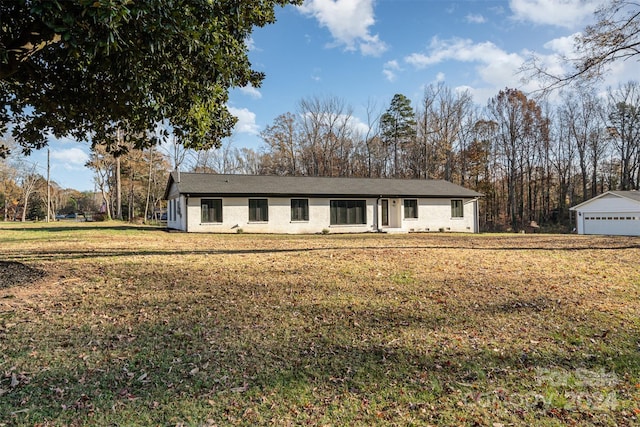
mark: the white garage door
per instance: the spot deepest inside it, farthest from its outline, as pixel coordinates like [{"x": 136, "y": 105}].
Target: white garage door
[{"x": 621, "y": 223}]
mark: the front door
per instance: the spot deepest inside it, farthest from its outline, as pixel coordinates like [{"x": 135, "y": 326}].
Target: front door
[{"x": 385, "y": 212}]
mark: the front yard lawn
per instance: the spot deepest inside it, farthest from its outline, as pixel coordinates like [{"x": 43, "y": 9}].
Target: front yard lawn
[{"x": 132, "y": 325}]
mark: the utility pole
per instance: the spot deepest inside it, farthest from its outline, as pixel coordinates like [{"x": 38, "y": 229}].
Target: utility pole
[
  {"x": 118, "y": 181},
  {"x": 48, "y": 184}
]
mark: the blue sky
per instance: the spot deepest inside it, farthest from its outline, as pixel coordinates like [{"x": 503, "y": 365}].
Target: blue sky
[{"x": 365, "y": 51}]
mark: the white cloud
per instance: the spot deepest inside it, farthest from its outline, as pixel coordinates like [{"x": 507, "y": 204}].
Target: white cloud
[
  {"x": 251, "y": 91},
  {"x": 563, "y": 45},
  {"x": 561, "y": 13},
  {"x": 495, "y": 68},
  {"x": 475, "y": 18},
  {"x": 358, "y": 126},
  {"x": 70, "y": 157},
  {"x": 561, "y": 48},
  {"x": 246, "y": 120},
  {"x": 494, "y": 65},
  {"x": 389, "y": 70},
  {"x": 348, "y": 21},
  {"x": 372, "y": 46},
  {"x": 251, "y": 44},
  {"x": 440, "y": 77}
]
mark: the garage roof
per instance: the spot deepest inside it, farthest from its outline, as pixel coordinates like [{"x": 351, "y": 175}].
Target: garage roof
[
  {"x": 631, "y": 195},
  {"x": 259, "y": 185}
]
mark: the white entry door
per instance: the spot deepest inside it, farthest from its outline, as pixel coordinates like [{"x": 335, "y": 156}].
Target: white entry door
[{"x": 391, "y": 213}]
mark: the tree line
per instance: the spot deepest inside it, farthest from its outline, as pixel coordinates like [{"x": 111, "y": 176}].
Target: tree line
[
  {"x": 531, "y": 159},
  {"x": 128, "y": 186},
  {"x": 107, "y": 67},
  {"x": 24, "y": 192}
]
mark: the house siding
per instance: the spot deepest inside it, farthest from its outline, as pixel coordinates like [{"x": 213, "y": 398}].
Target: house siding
[
  {"x": 235, "y": 215},
  {"x": 433, "y": 215}
]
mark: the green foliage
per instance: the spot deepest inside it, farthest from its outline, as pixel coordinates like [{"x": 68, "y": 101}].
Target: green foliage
[
  {"x": 99, "y": 217},
  {"x": 37, "y": 207},
  {"x": 398, "y": 122},
  {"x": 86, "y": 68}
]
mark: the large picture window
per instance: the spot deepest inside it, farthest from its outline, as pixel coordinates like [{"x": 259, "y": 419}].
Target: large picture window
[
  {"x": 457, "y": 210},
  {"x": 299, "y": 209},
  {"x": 411, "y": 208},
  {"x": 211, "y": 210},
  {"x": 258, "y": 210},
  {"x": 347, "y": 212}
]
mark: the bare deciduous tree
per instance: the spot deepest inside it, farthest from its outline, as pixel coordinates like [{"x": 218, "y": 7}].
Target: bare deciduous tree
[
  {"x": 615, "y": 36},
  {"x": 28, "y": 180},
  {"x": 624, "y": 130}
]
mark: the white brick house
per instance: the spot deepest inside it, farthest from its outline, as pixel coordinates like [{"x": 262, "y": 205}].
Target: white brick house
[{"x": 200, "y": 202}]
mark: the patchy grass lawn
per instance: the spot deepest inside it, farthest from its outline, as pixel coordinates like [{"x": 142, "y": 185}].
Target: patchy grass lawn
[{"x": 136, "y": 326}]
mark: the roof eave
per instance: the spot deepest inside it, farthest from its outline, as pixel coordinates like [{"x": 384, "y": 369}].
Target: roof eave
[
  {"x": 329, "y": 195},
  {"x": 167, "y": 189},
  {"x": 593, "y": 199}
]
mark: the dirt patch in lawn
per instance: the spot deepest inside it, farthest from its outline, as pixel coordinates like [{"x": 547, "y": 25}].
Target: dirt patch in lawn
[{"x": 15, "y": 273}]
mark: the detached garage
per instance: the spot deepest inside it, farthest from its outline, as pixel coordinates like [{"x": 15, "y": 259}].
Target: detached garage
[{"x": 611, "y": 213}]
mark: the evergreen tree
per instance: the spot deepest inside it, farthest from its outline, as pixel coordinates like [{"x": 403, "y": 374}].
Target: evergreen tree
[{"x": 398, "y": 128}]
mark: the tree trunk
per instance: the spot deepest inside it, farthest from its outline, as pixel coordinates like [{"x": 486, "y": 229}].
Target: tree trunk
[
  {"x": 118, "y": 190},
  {"x": 146, "y": 205}
]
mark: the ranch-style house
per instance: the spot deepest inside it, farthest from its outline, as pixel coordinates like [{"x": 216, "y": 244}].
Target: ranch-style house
[
  {"x": 610, "y": 213},
  {"x": 203, "y": 202}
]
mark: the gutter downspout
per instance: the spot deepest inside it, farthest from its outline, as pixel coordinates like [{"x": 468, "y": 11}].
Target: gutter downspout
[
  {"x": 476, "y": 221},
  {"x": 186, "y": 213}
]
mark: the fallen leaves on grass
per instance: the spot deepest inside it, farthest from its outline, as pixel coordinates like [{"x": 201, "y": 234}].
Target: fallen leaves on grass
[{"x": 288, "y": 330}]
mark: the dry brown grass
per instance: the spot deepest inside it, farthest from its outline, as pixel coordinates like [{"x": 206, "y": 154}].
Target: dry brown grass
[{"x": 139, "y": 326}]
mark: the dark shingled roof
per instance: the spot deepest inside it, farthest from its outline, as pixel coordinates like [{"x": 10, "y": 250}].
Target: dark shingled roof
[
  {"x": 202, "y": 184},
  {"x": 633, "y": 194}
]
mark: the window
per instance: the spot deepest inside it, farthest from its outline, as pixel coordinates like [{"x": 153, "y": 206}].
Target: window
[
  {"x": 385, "y": 212},
  {"x": 410, "y": 208},
  {"x": 258, "y": 210},
  {"x": 299, "y": 209},
  {"x": 347, "y": 212},
  {"x": 211, "y": 210},
  {"x": 457, "y": 210}
]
